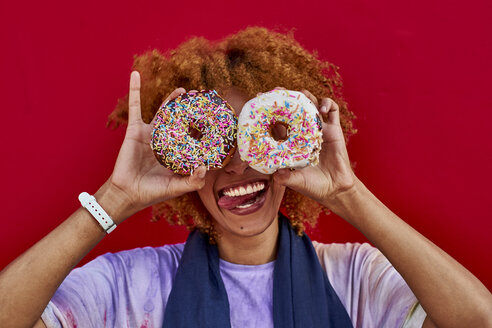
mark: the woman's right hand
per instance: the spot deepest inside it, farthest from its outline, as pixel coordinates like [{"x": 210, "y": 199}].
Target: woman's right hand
[{"x": 137, "y": 173}]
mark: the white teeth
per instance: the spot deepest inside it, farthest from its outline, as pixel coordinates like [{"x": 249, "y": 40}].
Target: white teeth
[
  {"x": 244, "y": 206},
  {"x": 244, "y": 190}
]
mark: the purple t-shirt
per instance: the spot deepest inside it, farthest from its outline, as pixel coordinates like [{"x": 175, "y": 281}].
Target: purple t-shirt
[{"x": 131, "y": 288}]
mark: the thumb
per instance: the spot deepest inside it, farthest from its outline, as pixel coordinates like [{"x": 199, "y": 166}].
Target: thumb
[
  {"x": 292, "y": 179},
  {"x": 196, "y": 180}
]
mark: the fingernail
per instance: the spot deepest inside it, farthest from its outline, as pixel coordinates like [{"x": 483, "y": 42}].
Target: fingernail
[
  {"x": 201, "y": 174},
  {"x": 323, "y": 109}
]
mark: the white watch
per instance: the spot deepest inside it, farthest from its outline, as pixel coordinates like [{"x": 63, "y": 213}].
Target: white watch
[{"x": 90, "y": 203}]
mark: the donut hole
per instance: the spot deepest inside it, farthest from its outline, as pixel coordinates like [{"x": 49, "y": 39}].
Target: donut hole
[
  {"x": 195, "y": 133},
  {"x": 278, "y": 131}
]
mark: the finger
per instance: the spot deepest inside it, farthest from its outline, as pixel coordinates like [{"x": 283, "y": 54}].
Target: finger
[
  {"x": 134, "y": 112},
  {"x": 177, "y": 92},
  {"x": 331, "y": 133},
  {"x": 179, "y": 185},
  {"x": 193, "y": 182},
  {"x": 292, "y": 179},
  {"x": 330, "y": 111},
  {"x": 311, "y": 97},
  {"x": 152, "y": 123}
]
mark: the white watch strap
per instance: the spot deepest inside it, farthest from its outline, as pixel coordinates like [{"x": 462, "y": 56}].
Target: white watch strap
[{"x": 90, "y": 203}]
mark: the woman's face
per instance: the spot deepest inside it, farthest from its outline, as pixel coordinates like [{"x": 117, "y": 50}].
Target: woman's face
[{"x": 242, "y": 201}]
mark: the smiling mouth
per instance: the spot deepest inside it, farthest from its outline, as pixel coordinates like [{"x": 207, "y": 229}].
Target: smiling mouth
[{"x": 242, "y": 196}]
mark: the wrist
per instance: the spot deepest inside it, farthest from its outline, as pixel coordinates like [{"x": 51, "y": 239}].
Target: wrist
[
  {"x": 115, "y": 202},
  {"x": 344, "y": 201}
]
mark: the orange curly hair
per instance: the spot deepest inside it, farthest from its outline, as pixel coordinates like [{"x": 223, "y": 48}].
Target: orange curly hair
[{"x": 255, "y": 60}]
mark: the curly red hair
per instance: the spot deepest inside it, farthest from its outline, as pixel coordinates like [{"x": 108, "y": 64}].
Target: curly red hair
[{"x": 255, "y": 60}]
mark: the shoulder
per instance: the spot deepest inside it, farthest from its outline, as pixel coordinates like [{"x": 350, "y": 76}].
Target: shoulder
[
  {"x": 367, "y": 284},
  {"x": 137, "y": 280},
  {"x": 354, "y": 264},
  {"x": 337, "y": 249},
  {"x": 140, "y": 265},
  {"x": 347, "y": 254},
  {"x": 168, "y": 253},
  {"x": 141, "y": 259}
]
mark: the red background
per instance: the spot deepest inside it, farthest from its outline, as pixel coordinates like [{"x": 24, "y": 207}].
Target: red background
[{"x": 416, "y": 74}]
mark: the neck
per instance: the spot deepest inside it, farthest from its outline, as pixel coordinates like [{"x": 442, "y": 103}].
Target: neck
[{"x": 250, "y": 250}]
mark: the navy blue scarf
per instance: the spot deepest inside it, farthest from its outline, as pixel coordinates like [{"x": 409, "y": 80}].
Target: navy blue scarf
[{"x": 302, "y": 294}]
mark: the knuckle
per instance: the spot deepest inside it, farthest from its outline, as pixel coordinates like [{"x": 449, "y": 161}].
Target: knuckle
[
  {"x": 328, "y": 102},
  {"x": 134, "y": 100},
  {"x": 134, "y": 104}
]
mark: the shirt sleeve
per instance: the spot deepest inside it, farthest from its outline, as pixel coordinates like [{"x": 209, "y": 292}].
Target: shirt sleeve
[
  {"x": 372, "y": 291},
  {"x": 124, "y": 289},
  {"x": 415, "y": 317}
]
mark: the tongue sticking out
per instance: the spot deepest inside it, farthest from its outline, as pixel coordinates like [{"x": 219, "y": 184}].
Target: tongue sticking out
[{"x": 229, "y": 202}]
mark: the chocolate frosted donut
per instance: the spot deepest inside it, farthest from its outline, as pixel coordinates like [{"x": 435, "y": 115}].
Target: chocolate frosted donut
[{"x": 195, "y": 129}]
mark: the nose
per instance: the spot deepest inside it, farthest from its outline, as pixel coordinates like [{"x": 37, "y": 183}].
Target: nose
[{"x": 236, "y": 165}]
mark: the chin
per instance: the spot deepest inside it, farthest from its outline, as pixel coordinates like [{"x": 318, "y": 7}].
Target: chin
[
  {"x": 254, "y": 227},
  {"x": 253, "y": 220}
]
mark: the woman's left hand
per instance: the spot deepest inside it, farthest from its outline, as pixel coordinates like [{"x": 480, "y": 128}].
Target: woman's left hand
[{"x": 333, "y": 174}]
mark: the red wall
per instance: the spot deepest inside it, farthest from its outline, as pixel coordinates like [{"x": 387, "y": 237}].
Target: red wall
[{"x": 416, "y": 74}]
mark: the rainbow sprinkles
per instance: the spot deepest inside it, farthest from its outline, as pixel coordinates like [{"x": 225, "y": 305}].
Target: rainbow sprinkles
[
  {"x": 304, "y": 131},
  {"x": 208, "y": 114}
]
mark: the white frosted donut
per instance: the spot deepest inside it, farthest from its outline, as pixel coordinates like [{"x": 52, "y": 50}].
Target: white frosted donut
[{"x": 304, "y": 136}]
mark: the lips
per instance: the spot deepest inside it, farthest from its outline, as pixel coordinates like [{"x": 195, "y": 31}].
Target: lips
[{"x": 241, "y": 195}]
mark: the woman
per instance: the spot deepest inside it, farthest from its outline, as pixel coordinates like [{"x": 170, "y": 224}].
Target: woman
[{"x": 250, "y": 277}]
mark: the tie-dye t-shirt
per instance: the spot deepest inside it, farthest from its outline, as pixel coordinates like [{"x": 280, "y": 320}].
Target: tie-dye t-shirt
[{"x": 131, "y": 288}]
